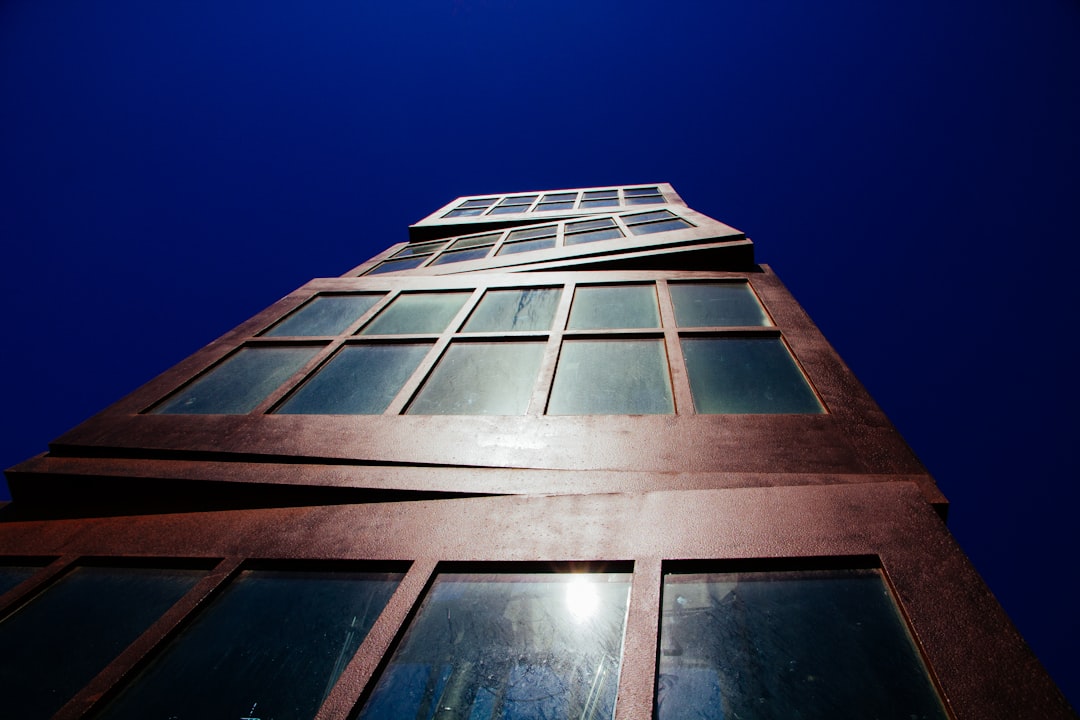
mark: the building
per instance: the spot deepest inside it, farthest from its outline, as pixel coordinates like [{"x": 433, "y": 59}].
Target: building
[{"x": 561, "y": 454}]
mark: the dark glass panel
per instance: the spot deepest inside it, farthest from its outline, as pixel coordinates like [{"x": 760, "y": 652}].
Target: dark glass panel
[
  {"x": 481, "y": 379},
  {"x": 417, "y": 313},
  {"x": 478, "y": 203},
  {"x": 507, "y": 209},
  {"x": 468, "y": 212},
  {"x": 359, "y": 380},
  {"x": 519, "y": 200},
  {"x": 394, "y": 265},
  {"x": 528, "y": 233},
  {"x": 592, "y": 236},
  {"x": 731, "y": 375},
  {"x": 584, "y": 225},
  {"x": 527, "y": 245},
  {"x": 325, "y": 315},
  {"x": 637, "y": 192},
  {"x": 515, "y": 310},
  {"x": 475, "y": 241},
  {"x": 647, "y": 217},
  {"x": 600, "y": 203},
  {"x": 240, "y": 383},
  {"x": 611, "y": 377},
  {"x": 601, "y": 194},
  {"x": 12, "y": 575},
  {"x": 413, "y": 250},
  {"x": 559, "y": 197},
  {"x": 58, "y": 641},
  {"x": 614, "y": 306},
  {"x": 796, "y": 645},
  {"x": 716, "y": 304},
  {"x": 645, "y": 200},
  {"x": 454, "y": 256},
  {"x": 554, "y": 206},
  {"x": 509, "y": 646},
  {"x": 270, "y": 646},
  {"x": 656, "y": 227}
]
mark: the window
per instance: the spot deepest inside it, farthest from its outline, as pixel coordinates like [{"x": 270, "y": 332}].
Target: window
[
  {"x": 405, "y": 263},
  {"x": 643, "y": 196},
  {"x": 240, "y": 383},
  {"x": 481, "y": 378},
  {"x": 557, "y": 201},
  {"x": 417, "y": 313},
  {"x": 787, "y": 645},
  {"x": 591, "y": 231},
  {"x": 58, "y": 641},
  {"x": 654, "y": 222},
  {"x": 471, "y": 208},
  {"x": 614, "y": 306},
  {"x": 270, "y": 645},
  {"x": 701, "y": 304},
  {"x": 612, "y": 377},
  {"x": 509, "y": 645},
  {"x": 325, "y": 315},
  {"x": 12, "y": 575},
  {"x": 600, "y": 198},
  {"x": 513, "y": 204},
  {"x": 470, "y": 247},
  {"x": 514, "y": 310},
  {"x": 527, "y": 239}
]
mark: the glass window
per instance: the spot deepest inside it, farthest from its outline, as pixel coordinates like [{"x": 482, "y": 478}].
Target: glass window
[
  {"x": 716, "y": 304},
  {"x": 609, "y": 202},
  {"x": 465, "y": 212},
  {"x": 787, "y": 645},
  {"x": 359, "y": 380},
  {"x": 475, "y": 241},
  {"x": 417, "y": 313},
  {"x": 559, "y": 197},
  {"x": 515, "y": 204},
  {"x": 58, "y": 641},
  {"x": 638, "y": 192},
  {"x": 509, "y": 248},
  {"x": 612, "y": 233},
  {"x": 414, "y": 249},
  {"x": 653, "y": 216},
  {"x": 529, "y": 233},
  {"x": 509, "y": 646},
  {"x": 12, "y": 575},
  {"x": 477, "y": 378},
  {"x": 394, "y": 265},
  {"x": 478, "y": 203},
  {"x": 270, "y": 646},
  {"x": 611, "y": 377},
  {"x": 645, "y": 200},
  {"x": 454, "y": 256},
  {"x": 510, "y": 310},
  {"x": 601, "y": 194},
  {"x": 574, "y": 227},
  {"x": 543, "y": 207},
  {"x": 240, "y": 383},
  {"x": 325, "y": 315},
  {"x": 746, "y": 375},
  {"x": 614, "y": 306},
  {"x": 663, "y": 226}
]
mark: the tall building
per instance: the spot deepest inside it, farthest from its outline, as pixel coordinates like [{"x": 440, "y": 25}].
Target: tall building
[{"x": 562, "y": 454}]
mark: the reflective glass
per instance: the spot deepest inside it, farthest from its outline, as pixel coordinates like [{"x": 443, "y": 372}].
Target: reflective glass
[
  {"x": 599, "y": 203},
  {"x": 611, "y": 377},
  {"x": 359, "y": 380},
  {"x": 716, "y": 304},
  {"x": 555, "y": 206},
  {"x": 481, "y": 379},
  {"x": 637, "y": 192},
  {"x": 592, "y": 236},
  {"x": 746, "y": 375},
  {"x": 645, "y": 200},
  {"x": 525, "y": 246},
  {"x": 325, "y": 315},
  {"x": 418, "y": 249},
  {"x": 467, "y": 212},
  {"x": 614, "y": 306},
  {"x": 461, "y": 255},
  {"x": 647, "y": 217},
  {"x": 58, "y": 641},
  {"x": 12, "y": 575},
  {"x": 270, "y": 646},
  {"x": 600, "y": 194},
  {"x": 527, "y": 233},
  {"x": 416, "y": 313},
  {"x": 510, "y": 310},
  {"x": 475, "y": 241},
  {"x": 480, "y": 203},
  {"x": 519, "y": 200},
  {"x": 589, "y": 225},
  {"x": 393, "y": 265},
  {"x": 240, "y": 383},
  {"x": 659, "y": 227},
  {"x": 509, "y": 646},
  {"x": 559, "y": 197},
  {"x": 506, "y": 209},
  {"x": 788, "y": 645}
]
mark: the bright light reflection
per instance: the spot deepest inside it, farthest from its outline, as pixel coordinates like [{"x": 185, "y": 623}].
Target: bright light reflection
[{"x": 582, "y": 599}]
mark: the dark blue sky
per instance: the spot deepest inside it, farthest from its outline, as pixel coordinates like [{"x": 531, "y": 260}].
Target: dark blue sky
[{"x": 910, "y": 170}]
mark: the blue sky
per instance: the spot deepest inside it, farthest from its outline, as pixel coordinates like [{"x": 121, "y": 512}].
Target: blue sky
[{"x": 909, "y": 170}]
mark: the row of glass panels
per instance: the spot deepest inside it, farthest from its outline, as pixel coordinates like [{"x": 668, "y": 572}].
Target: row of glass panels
[
  {"x": 509, "y": 645},
  {"x": 607, "y": 375},
  {"x": 475, "y": 247},
  {"x": 545, "y": 202}
]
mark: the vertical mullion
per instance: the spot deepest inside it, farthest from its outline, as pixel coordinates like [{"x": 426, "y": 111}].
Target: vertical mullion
[
  {"x": 680, "y": 380},
  {"x": 538, "y": 401},
  {"x": 637, "y": 676}
]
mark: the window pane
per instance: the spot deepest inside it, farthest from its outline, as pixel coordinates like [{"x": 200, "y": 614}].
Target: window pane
[
  {"x": 505, "y": 209},
  {"x": 480, "y": 203},
  {"x": 475, "y": 241},
  {"x": 645, "y": 200},
  {"x": 647, "y": 217},
  {"x": 392, "y": 265},
  {"x": 12, "y": 575},
  {"x": 716, "y": 304},
  {"x": 637, "y": 192},
  {"x": 325, "y": 315},
  {"x": 614, "y": 306},
  {"x": 599, "y": 203},
  {"x": 508, "y": 310},
  {"x": 481, "y": 379},
  {"x": 509, "y": 646},
  {"x": 559, "y": 197},
  {"x": 468, "y": 212},
  {"x": 590, "y": 225},
  {"x": 600, "y": 194},
  {"x": 746, "y": 375},
  {"x": 659, "y": 227},
  {"x": 270, "y": 646},
  {"x": 240, "y": 383},
  {"x": 516, "y": 247},
  {"x": 545, "y": 231},
  {"x": 66, "y": 635},
  {"x": 461, "y": 255},
  {"x": 611, "y": 377},
  {"x": 555, "y": 206},
  {"x": 416, "y": 313},
  {"x": 418, "y": 249},
  {"x": 359, "y": 380},
  {"x": 518, "y": 200},
  {"x": 593, "y": 236},
  {"x": 787, "y": 645}
]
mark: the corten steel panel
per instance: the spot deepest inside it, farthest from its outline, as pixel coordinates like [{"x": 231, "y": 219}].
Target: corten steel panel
[{"x": 979, "y": 662}]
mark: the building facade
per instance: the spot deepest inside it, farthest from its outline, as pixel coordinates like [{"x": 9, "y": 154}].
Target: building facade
[{"x": 561, "y": 454}]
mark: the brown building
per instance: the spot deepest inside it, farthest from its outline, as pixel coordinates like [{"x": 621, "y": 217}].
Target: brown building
[{"x": 562, "y": 454}]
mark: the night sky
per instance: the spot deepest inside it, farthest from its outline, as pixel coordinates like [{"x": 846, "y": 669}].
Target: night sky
[{"x": 910, "y": 170}]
